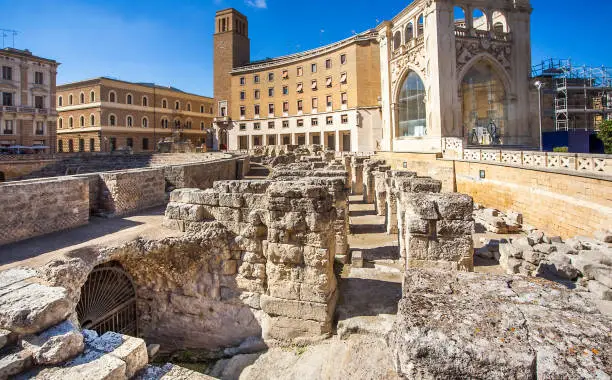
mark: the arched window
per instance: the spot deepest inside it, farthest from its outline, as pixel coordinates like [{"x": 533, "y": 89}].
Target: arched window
[
  {"x": 397, "y": 40},
  {"x": 500, "y": 24},
  {"x": 421, "y": 25},
  {"x": 145, "y": 122},
  {"x": 412, "y": 116},
  {"x": 112, "y": 120},
  {"x": 479, "y": 20},
  {"x": 92, "y": 120},
  {"x": 112, "y": 97},
  {"x": 177, "y": 105},
  {"x": 60, "y": 101},
  {"x": 70, "y": 99},
  {"x": 128, "y": 99},
  {"x": 484, "y": 105},
  {"x": 82, "y": 121},
  {"x": 459, "y": 17},
  {"x": 409, "y": 34},
  {"x": 129, "y": 121},
  {"x": 188, "y": 107},
  {"x": 92, "y": 96},
  {"x": 61, "y": 123},
  {"x": 164, "y": 103},
  {"x": 82, "y": 98},
  {"x": 164, "y": 123},
  {"x": 145, "y": 101},
  {"x": 70, "y": 122}
]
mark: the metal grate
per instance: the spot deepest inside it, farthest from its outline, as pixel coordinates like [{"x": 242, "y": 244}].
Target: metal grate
[{"x": 108, "y": 301}]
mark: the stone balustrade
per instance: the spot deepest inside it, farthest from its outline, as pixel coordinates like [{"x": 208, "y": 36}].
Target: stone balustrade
[{"x": 598, "y": 164}]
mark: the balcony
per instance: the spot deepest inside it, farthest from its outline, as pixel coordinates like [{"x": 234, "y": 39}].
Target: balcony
[
  {"x": 483, "y": 34},
  {"x": 25, "y": 109}
]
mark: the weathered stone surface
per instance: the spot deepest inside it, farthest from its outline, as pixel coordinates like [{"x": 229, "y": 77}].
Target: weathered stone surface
[
  {"x": 92, "y": 365},
  {"x": 56, "y": 344},
  {"x": 29, "y": 307},
  {"x": 560, "y": 265},
  {"x": 133, "y": 351},
  {"x": 180, "y": 373},
  {"x": 600, "y": 290},
  {"x": 14, "y": 361},
  {"x": 297, "y": 309},
  {"x": 605, "y": 236},
  {"x": 465, "y": 325},
  {"x": 455, "y": 206},
  {"x": 454, "y": 227}
]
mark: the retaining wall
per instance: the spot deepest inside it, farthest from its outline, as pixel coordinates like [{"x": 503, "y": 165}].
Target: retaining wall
[{"x": 38, "y": 207}]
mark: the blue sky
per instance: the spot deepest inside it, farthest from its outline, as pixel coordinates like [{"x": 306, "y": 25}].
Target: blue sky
[{"x": 170, "y": 43}]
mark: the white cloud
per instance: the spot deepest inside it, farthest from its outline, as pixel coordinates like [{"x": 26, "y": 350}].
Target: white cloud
[{"x": 257, "y": 3}]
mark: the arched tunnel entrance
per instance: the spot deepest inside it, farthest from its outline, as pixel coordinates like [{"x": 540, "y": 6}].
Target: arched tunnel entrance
[{"x": 108, "y": 301}]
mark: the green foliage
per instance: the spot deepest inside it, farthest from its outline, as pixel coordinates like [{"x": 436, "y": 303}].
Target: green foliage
[
  {"x": 605, "y": 135},
  {"x": 560, "y": 149}
]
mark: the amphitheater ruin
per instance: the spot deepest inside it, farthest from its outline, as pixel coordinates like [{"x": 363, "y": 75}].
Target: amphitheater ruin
[{"x": 292, "y": 261}]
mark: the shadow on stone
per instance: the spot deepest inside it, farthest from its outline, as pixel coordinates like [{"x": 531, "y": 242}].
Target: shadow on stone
[
  {"x": 358, "y": 229},
  {"x": 365, "y": 297},
  {"x": 388, "y": 252},
  {"x": 362, "y": 213}
]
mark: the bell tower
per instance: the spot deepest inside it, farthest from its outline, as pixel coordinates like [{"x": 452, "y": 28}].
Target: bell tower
[{"x": 231, "y": 49}]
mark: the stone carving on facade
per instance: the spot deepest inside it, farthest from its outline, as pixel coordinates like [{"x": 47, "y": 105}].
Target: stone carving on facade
[
  {"x": 413, "y": 58},
  {"x": 468, "y": 48}
]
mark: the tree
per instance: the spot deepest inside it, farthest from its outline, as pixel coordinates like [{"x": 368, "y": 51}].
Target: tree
[{"x": 605, "y": 135}]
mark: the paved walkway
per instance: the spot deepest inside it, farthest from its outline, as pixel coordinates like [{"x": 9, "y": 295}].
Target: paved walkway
[
  {"x": 369, "y": 295},
  {"x": 100, "y": 232}
]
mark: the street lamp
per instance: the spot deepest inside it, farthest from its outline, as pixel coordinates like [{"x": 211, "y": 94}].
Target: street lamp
[{"x": 539, "y": 86}]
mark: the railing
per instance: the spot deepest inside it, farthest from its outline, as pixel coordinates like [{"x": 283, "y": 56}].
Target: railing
[
  {"x": 600, "y": 164},
  {"x": 409, "y": 45},
  {"x": 477, "y": 33},
  {"x": 25, "y": 109}
]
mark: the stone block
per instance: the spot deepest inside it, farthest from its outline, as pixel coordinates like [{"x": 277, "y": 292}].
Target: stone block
[
  {"x": 601, "y": 291},
  {"x": 284, "y": 253},
  {"x": 558, "y": 264},
  {"x": 288, "y": 290},
  {"x": 55, "y": 345},
  {"x": 544, "y": 248},
  {"x": 296, "y": 309},
  {"x": 230, "y": 267},
  {"x": 423, "y": 207},
  {"x": 424, "y": 185},
  {"x": 133, "y": 351},
  {"x": 290, "y": 329},
  {"x": 454, "y": 206},
  {"x": 14, "y": 361},
  {"x": 454, "y": 227},
  {"x": 33, "y": 307},
  {"x": 416, "y": 225},
  {"x": 357, "y": 259},
  {"x": 230, "y": 200},
  {"x": 450, "y": 249},
  {"x": 604, "y": 236},
  {"x": 509, "y": 250}
]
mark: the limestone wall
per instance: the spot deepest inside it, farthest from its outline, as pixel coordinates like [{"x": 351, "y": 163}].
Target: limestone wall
[
  {"x": 426, "y": 165},
  {"x": 37, "y": 207},
  {"x": 560, "y": 204},
  {"x": 202, "y": 175},
  {"x": 133, "y": 190}
]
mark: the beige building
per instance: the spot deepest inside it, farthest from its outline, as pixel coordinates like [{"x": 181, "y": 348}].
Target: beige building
[
  {"x": 440, "y": 74},
  {"x": 327, "y": 96},
  {"x": 103, "y": 115},
  {"x": 27, "y": 92}
]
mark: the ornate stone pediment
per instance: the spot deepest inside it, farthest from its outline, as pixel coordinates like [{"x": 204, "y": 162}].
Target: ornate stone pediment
[{"x": 467, "y": 48}]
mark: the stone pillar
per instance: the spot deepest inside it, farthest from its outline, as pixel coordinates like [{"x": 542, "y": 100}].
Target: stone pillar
[
  {"x": 393, "y": 182},
  {"x": 357, "y": 175},
  {"x": 438, "y": 231},
  {"x": 380, "y": 190},
  {"x": 369, "y": 166}
]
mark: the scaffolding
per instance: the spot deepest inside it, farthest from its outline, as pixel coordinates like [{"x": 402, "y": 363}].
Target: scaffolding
[{"x": 582, "y": 94}]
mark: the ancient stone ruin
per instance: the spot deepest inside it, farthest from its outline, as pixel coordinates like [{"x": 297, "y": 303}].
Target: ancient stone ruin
[{"x": 243, "y": 267}]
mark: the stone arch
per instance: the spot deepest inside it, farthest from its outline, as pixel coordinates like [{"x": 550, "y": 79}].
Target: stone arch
[
  {"x": 108, "y": 301},
  {"x": 497, "y": 67},
  {"x": 397, "y": 40},
  {"x": 484, "y": 101}
]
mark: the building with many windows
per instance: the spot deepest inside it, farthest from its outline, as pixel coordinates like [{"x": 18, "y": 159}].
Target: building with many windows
[
  {"x": 327, "y": 96},
  {"x": 104, "y": 114},
  {"x": 440, "y": 74},
  {"x": 27, "y": 92}
]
